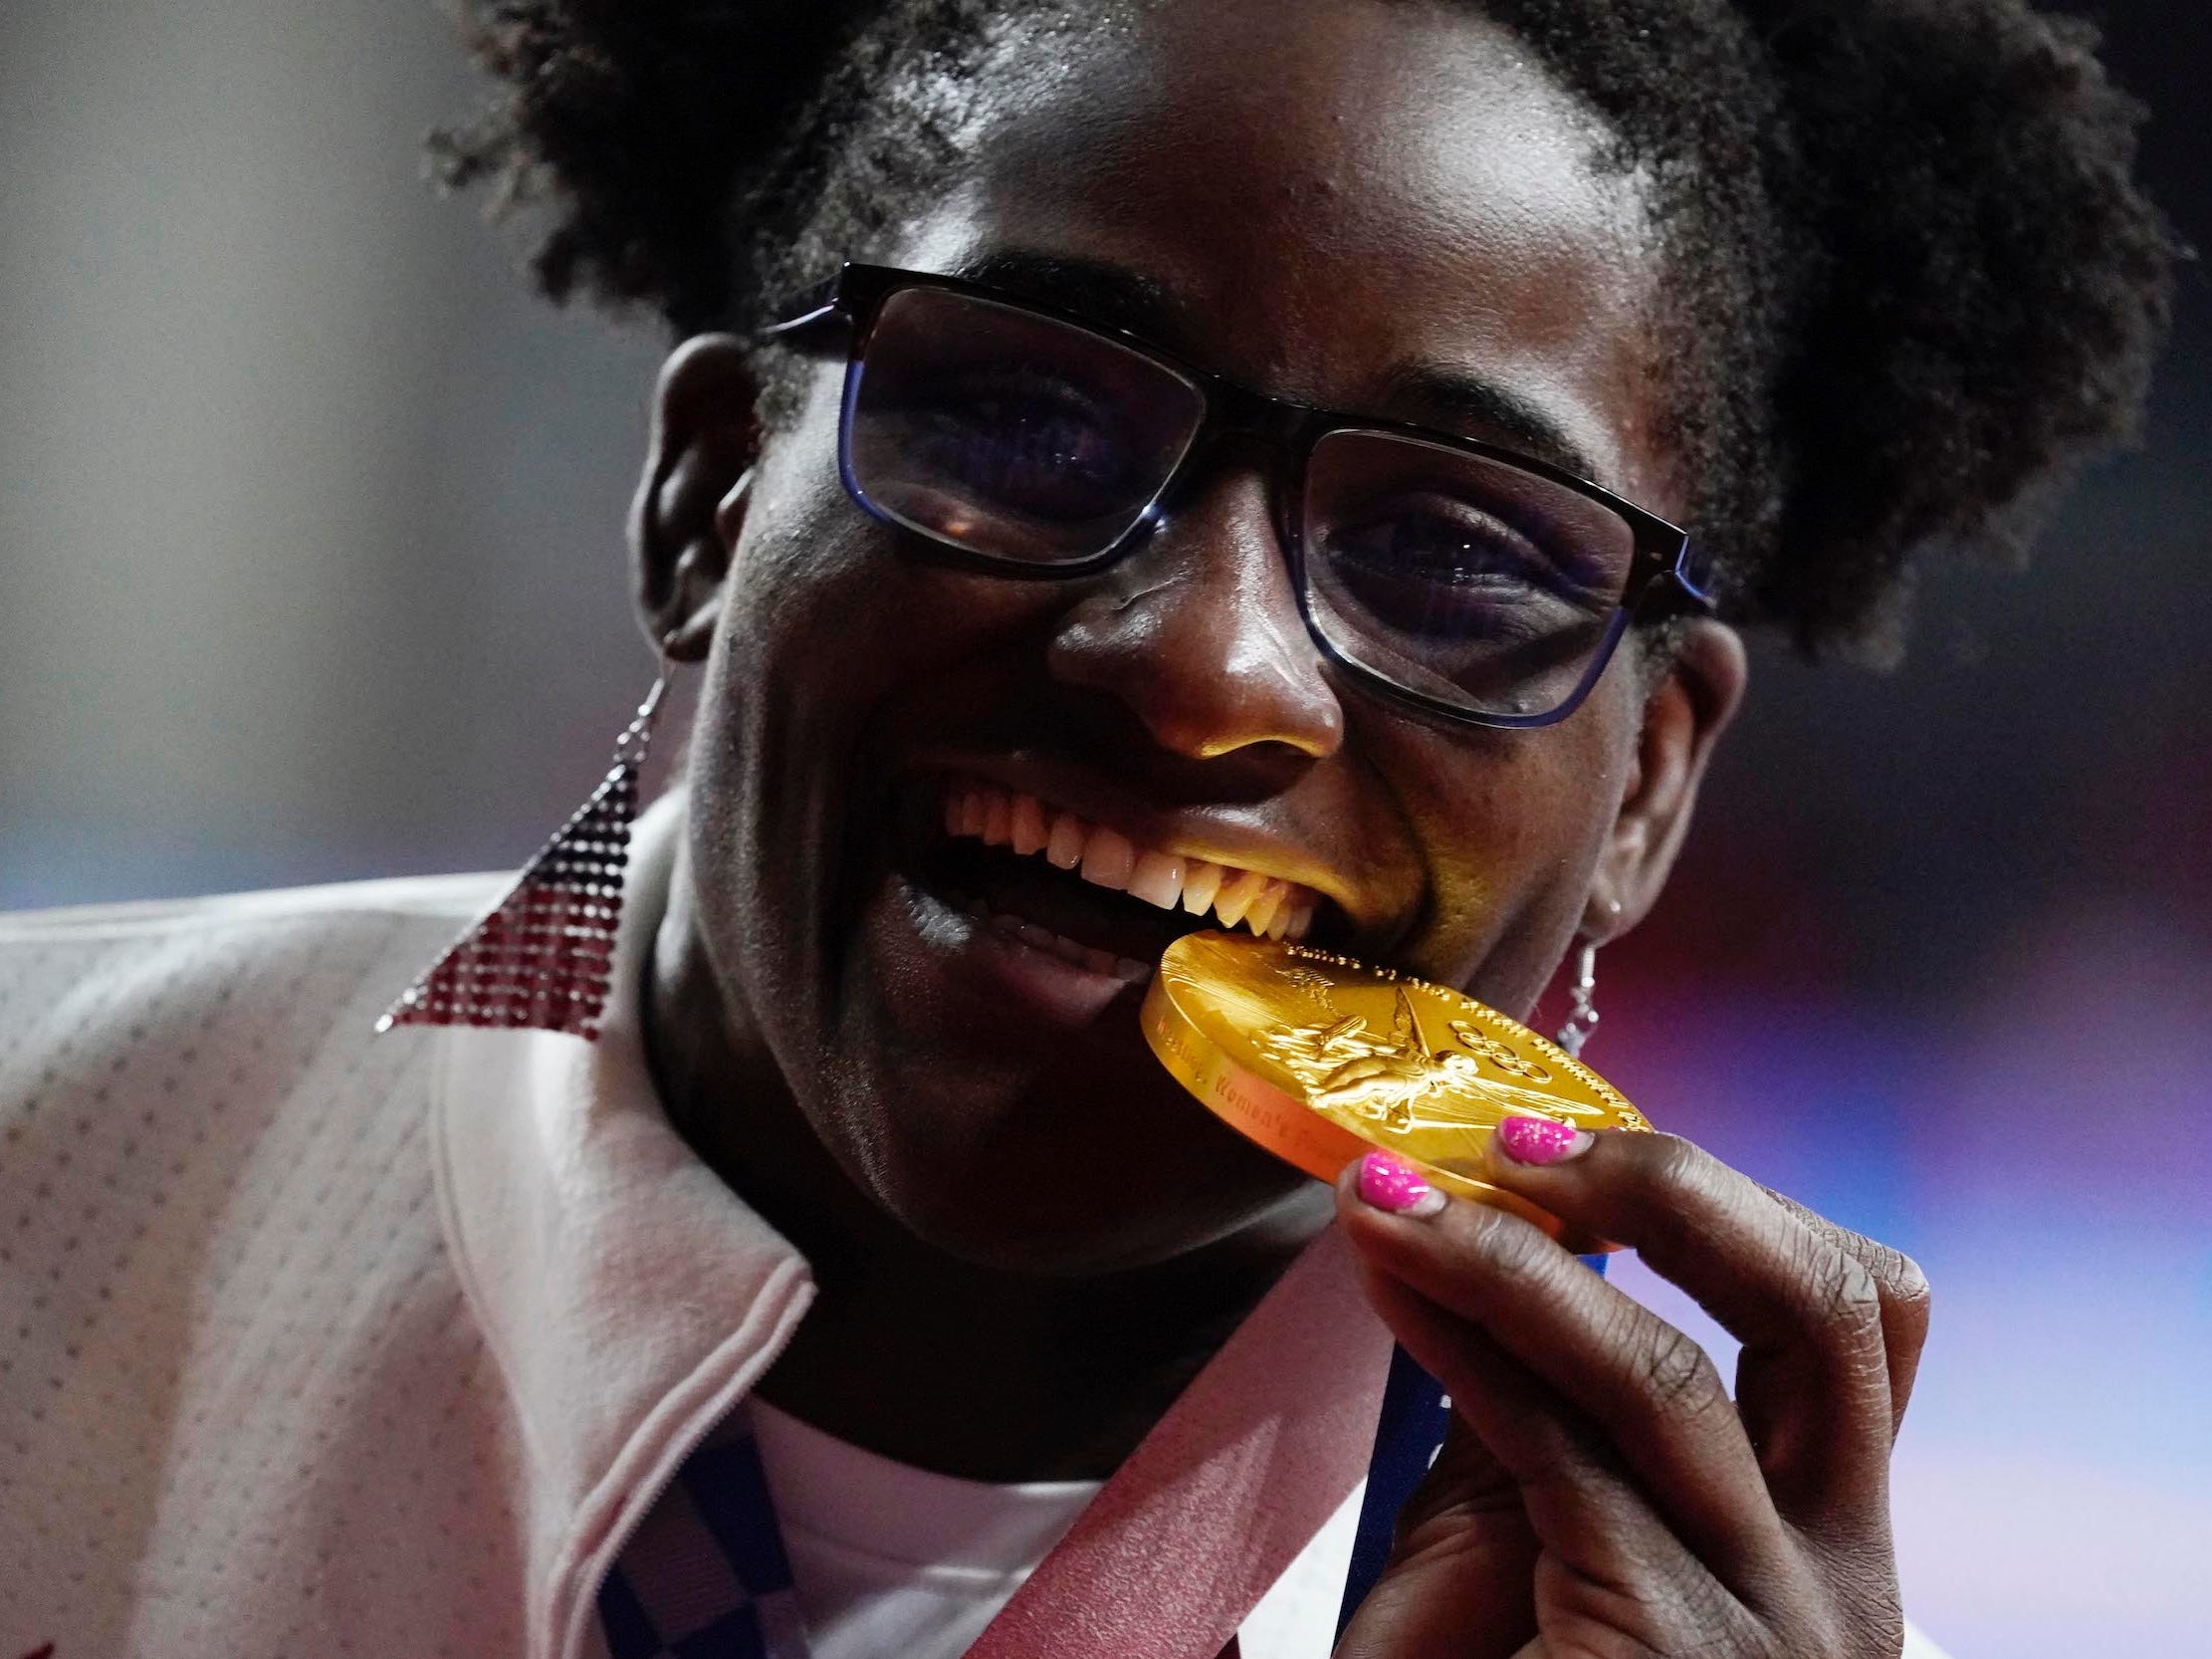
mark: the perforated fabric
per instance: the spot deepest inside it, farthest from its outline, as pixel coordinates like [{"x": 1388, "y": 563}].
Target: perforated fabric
[
  {"x": 244, "y": 1407},
  {"x": 318, "y": 1343}
]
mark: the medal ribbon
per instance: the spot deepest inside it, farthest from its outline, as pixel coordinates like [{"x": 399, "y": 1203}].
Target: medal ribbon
[{"x": 1230, "y": 1485}]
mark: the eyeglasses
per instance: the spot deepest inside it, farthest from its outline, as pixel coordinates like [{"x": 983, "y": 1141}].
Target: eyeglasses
[{"x": 1455, "y": 576}]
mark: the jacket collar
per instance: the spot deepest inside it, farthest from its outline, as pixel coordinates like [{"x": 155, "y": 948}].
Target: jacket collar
[{"x": 629, "y": 1297}]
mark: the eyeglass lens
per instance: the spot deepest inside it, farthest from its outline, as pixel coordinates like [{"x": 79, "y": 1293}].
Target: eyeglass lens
[
  {"x": 1463, "y": 578},
  {"x": 1023, "y": 439},
  {"x": 1010, "y": 434}
]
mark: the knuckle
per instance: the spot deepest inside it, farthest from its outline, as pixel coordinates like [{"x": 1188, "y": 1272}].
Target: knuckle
[
  {"x": 1905, "y": 1303},
  {"x": 1904, "y": 1286},
  {"x": 1900, "y": 1277},
  {"x": 1676, "y": 1376},
  {"x": 1515, "y": 1250},
  {"x": 1665, "y": 1170},
  {"x": 1841, "y": 1294},
  {"x": 1702, "y": 1619},
  {"x": 1674, "y": 1162}
]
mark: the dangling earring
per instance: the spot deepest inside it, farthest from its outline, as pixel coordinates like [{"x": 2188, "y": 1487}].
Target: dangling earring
[
  {"x": 543, "y": 958},
  {"x": 1582, "y": 1010},
  {"x": 1582, "y": 1014}
]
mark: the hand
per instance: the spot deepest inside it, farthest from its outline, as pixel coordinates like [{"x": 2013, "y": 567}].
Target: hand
[{"x": 1600, "y": 1495}]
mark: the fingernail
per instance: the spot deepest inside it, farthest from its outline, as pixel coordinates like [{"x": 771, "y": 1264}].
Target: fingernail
[
  {"x": 1538, "y": 1140},
  {"x": 1393, "y": 1185}
]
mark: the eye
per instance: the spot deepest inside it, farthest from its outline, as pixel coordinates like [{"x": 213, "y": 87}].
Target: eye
[
  {"x": 1439, "y": 546},
  {"x": 1431, "y": 565},
  {"x": 1021, "y": 440}
]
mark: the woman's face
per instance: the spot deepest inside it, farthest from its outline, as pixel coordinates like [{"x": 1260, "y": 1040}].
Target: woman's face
[{"x": 1377, "y": 207}]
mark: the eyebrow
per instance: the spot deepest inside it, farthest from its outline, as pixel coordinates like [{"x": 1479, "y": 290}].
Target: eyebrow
[
  {"x": 1453, "y": 401},
  {"x": 1457, "y": 401},
  {"x": 1092, "y": 289}
]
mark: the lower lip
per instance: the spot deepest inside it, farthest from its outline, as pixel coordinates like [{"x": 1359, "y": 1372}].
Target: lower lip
[{"x": 965, "y": 947}]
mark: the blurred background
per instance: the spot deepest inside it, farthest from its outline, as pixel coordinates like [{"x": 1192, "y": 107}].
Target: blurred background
[{"x": 310, "y": 569}]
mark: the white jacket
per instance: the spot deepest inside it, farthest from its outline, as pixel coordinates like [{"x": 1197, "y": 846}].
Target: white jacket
[{"x": 317, "y": 1343}]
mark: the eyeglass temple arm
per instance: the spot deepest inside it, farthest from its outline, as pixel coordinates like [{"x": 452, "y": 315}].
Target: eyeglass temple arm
[
  {"x": 1673, "y": 591},
  {"x": 817, "y": 305}
]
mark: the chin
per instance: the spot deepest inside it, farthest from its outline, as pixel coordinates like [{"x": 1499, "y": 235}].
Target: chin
[{"x": 1071, "y": 1185}]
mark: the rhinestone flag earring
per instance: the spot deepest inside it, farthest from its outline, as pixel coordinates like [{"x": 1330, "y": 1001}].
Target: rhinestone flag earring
[{"x": 543, "y": 957}]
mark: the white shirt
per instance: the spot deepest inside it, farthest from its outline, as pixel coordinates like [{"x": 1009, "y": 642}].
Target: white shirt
[{"x": 890, "y": 1559}]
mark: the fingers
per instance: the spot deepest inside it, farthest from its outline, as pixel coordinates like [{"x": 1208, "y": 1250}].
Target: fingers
[
  {"x": 1904, "y": 1289},
  {"x": 1814, "y": 1381},
  {"x": 1577, "y": 1497},
  {"x": 1462, "y": 1561},
  {"x": 1504, "y": 1305}
]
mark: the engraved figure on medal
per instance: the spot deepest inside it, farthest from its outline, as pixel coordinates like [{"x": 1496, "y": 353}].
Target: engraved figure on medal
[{"x": 1346, "y": 1067}]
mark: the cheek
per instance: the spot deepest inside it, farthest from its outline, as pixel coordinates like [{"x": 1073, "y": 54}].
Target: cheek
[
  {"x": 825, "y": 611},
  {"x": 1511, "y": 826},
  {"x": 831, "y": 643}
]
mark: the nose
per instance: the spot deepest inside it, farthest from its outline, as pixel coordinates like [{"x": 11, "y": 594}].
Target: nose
[{"x": 1198, "y": 632}]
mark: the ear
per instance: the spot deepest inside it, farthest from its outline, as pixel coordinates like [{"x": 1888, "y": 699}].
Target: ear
[
  {"x": 691, "y": 498},
  {"x": 1687, "y": 712}
]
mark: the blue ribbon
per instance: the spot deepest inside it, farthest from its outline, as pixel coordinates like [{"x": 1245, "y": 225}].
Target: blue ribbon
[{"x": 1407, "y": 1436}]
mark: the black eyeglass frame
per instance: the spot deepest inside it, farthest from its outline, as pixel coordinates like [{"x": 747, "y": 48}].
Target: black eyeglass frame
[{"x": 1665, "y": 575}]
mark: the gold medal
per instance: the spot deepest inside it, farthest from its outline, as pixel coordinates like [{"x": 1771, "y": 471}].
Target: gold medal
[{"x": 1320, "y": 1058}]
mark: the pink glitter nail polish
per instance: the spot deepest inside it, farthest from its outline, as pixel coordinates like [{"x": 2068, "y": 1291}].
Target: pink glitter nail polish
[
  {"x": 1393, "y": 1185},
  {"x": 1538, "y": 1140}
]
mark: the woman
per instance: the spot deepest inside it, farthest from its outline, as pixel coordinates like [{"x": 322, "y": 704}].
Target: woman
[{"x": 1235, "y": 479}]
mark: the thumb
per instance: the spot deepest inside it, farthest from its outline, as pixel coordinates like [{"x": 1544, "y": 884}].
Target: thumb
[{"x": 1459, "y": 1583}]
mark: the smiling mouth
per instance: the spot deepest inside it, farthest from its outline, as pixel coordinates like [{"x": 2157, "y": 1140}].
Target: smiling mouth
[{"x": 1087, "y": 893}]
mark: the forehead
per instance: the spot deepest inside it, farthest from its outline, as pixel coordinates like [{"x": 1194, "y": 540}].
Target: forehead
[{"x": 1336, "y": 196}]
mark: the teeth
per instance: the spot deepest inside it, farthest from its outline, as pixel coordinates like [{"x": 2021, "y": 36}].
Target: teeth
[
  {"x": 1236, "y": 895},
  {"x": 1066, "y": 848},
  {"x": 1109, "y": 858},
  {"x": 1200, "y": 883},
  {"x": 1268, "y": 905},
  {"x": 1156, "y": 879},
  {"x": 1027, "y": 827},
  {"x": 1262, "y": 913}
]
